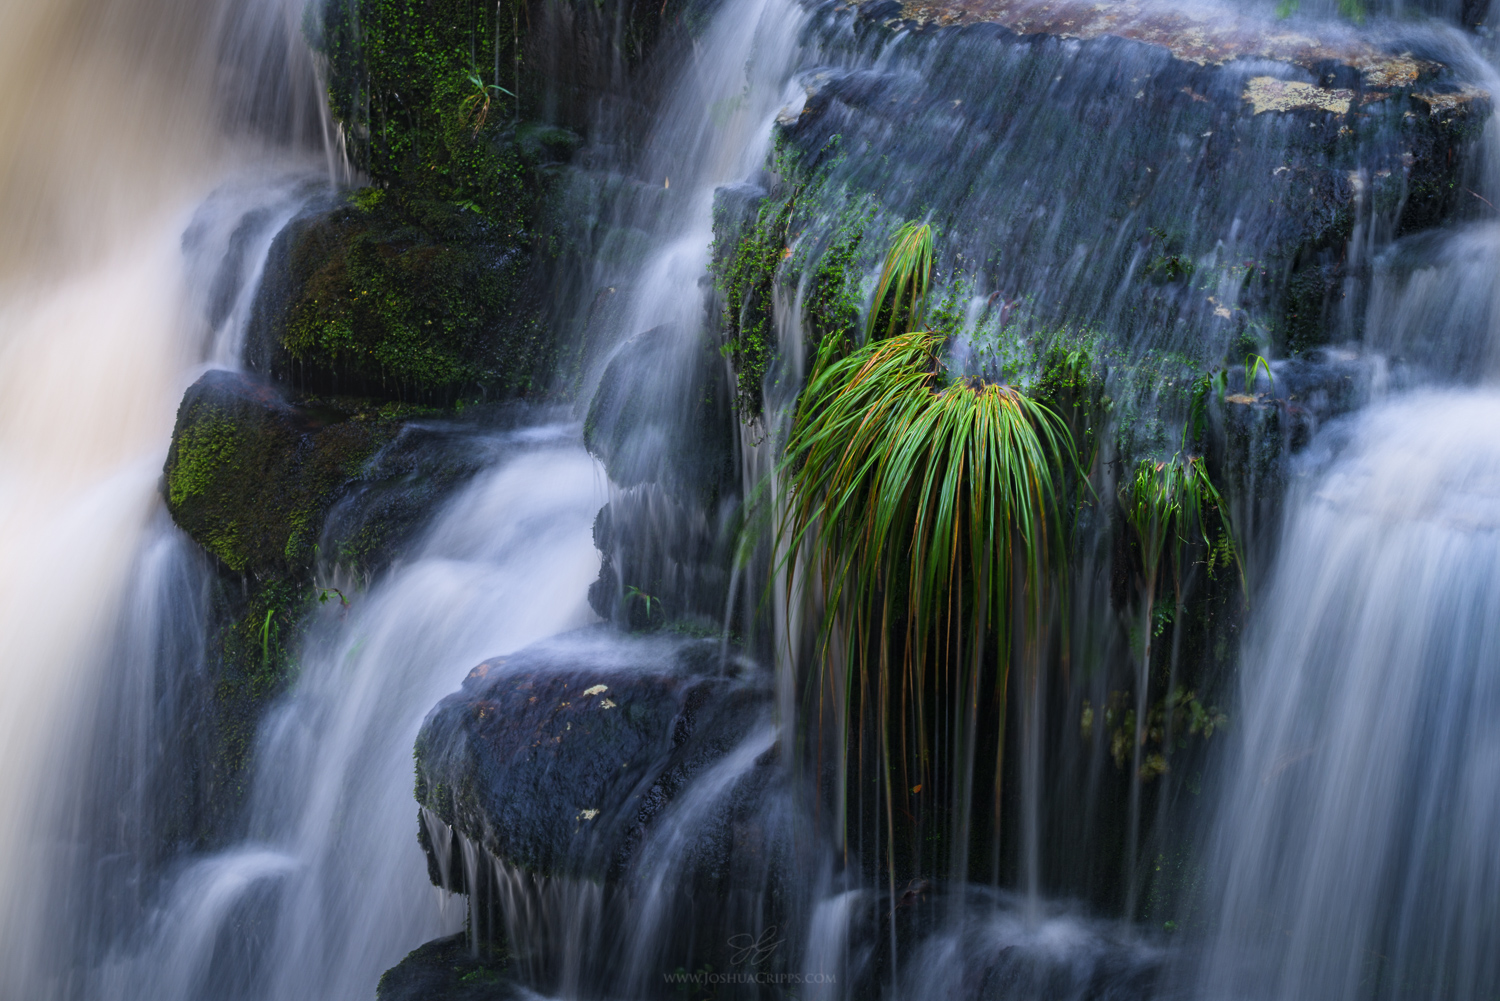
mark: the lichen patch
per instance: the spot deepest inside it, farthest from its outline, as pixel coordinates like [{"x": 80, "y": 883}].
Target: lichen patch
[
  {"x": 1268, "y": 93},
  {"x": 1453, "y": 100}
]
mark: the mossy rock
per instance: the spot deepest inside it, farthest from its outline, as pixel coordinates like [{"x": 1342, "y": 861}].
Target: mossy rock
[
  {"x": 420, "y": 85},
  {"x": 258, "y": 482},
  {"x": 448, "y": 969},
  {"x": 380, "y": 303},
  {"x": 414, "y": 83},
  {"x": 250, "y": 476}
]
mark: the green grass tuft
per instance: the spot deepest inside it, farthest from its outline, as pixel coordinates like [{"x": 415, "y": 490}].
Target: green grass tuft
[
  {"x": 930, "y": 512},
  {"x": 904, "y": 282}
]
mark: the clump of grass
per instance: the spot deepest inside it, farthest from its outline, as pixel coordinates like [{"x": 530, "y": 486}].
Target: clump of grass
[
  {"x": 1166, "y": 504},
  {"x": 1167, "y": 501},
  {"x": 905, "y": 280},
  {"x": 931, "y": 512}
]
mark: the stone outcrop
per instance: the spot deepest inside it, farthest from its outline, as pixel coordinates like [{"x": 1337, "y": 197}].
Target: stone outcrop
[
  {"x": 272, "y": 488},
  {"x": 559, "y": 759}
]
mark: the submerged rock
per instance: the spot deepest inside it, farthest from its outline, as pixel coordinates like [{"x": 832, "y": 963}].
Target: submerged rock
[
  {"x": 449, "y": 969},
  {"x": 558, "y": 759}
]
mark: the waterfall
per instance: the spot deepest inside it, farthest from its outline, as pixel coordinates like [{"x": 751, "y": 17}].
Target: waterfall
[
  {"x": 1355, "y": 855},
  {"x": 330, "y": 877},
  {"x": 153, "y": 153},
  {"x": 114, "y": 127},
  {"x": 329, "y": 887}
]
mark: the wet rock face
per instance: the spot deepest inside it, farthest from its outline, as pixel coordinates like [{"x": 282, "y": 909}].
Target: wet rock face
[
  {"x": 418, "y": 302},
  {"x": 1204, "y": 35},
  {"x": 660, "y": 422},
  {"x": 1182, "y": 186},
  {"x": 270, "y": 488},
  {"x": 558, "y": 759}
]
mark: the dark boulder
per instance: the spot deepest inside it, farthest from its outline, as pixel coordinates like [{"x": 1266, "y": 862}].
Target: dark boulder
[
  {"x": 450, "y": 969},
  {"x": 419, "y": 301},
  {"x": 558, "y": 759}
]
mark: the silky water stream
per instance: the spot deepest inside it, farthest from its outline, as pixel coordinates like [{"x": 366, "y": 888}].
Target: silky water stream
[{"x": 1355, "y": 854}]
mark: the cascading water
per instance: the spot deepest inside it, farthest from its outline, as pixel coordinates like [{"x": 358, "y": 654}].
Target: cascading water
[
  {"x": 119, "y": 280},
  {"x": 113, "y": 128},
  {"x": 1355, "y": 855},
  {"x": 330, "y": 878}
]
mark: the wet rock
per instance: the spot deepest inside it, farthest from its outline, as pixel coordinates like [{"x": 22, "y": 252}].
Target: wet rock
[
  {"x": 419, "y": 301},
  {"x": 655, "y": 418},
  {"x": 1205, "y": 36},
  {"x": 1175, "y": 179},
  {"x": 660, "y": 422},
  {"x": 269, "y": 487},
  {"x": 558, "y": 759},
  {"x": 449, "y": 969}
]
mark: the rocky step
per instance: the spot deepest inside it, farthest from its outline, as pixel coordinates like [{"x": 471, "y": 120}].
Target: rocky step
[{"x": 562, "y": 758}]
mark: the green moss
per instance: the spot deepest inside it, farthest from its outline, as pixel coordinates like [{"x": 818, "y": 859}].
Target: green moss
[
  {"x": 746, "y": 276},
  {"x": 425, "y": 311},
  {"x": 391, "y": 308},
  {"x": 834, "y": 298},
  {"x": 402, "y": 83},
  {"x": 421, "y": 287},
  {"x": 255, "y": 650},
  {"x": 204, "y": 451}
]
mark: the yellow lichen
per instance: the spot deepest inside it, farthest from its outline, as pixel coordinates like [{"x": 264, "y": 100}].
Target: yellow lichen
[
  {"x": 1401, "y": 71},
  {"x": 1267, "y": 93}
]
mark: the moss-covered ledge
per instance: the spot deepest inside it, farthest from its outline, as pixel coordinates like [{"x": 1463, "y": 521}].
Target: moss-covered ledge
[
  {"x": 415, "y": 302},
  {"x": 254, "y": 479}
]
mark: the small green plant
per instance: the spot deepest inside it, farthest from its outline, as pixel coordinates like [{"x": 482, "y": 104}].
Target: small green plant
[
  {"x": 325, "y": 593},
  {"x": 1166, "y": 504},
  {"x": 265, "y": 639},
  {"x": 477, "y": 104},
  {"x": 905, "y": 280},
  {"x": 633, "y": 593},
  {"x": 1217, "y": 383},
  {"x": 1254, "y": 364},
  {"x": 1169, "y": 723}
]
